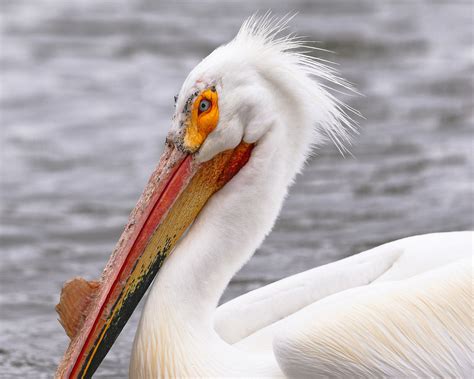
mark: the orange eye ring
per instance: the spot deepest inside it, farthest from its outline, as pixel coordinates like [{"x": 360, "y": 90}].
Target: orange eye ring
[{"x": 204, "y": 119}]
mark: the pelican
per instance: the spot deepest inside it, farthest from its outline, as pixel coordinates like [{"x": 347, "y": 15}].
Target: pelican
[{"x": 246, "y": 119}]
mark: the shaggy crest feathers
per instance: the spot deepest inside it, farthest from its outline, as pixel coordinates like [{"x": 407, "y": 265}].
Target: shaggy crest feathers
[{"x": 266, "y": 34}]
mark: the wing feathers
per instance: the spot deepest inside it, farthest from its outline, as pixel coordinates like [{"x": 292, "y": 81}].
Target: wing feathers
[
  {"x": 257, "y": 309},
  {"x": 421, "y": 326}
]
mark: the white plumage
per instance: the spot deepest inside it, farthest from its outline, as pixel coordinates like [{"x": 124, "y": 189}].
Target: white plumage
[{"x": 402, "y": 309}]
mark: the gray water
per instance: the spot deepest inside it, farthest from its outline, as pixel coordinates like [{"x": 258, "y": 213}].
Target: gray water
[{"x": 86, "y": 97}]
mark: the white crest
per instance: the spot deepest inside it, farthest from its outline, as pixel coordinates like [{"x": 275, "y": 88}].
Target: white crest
[{"x": 268, "y": 35}]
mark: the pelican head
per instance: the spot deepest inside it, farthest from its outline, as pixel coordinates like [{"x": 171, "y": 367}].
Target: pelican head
[
  {"x": 258, "y": 99},
  {"x": 252, "y": 84}
]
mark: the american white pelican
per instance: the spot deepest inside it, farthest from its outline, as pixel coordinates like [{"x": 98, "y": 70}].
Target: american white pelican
[{"x": 245, "y": 121}]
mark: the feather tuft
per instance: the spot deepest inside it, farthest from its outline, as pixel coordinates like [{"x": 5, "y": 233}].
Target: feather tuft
[{"x": 268, "y": 35}]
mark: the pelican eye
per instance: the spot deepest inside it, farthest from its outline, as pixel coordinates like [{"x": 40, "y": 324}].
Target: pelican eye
[
  {"x": 202, "y": 118},
  {"x": 204, "y": 105}
]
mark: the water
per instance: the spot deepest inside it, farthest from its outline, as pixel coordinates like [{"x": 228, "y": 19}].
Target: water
[{"x": 86, "y": 96}]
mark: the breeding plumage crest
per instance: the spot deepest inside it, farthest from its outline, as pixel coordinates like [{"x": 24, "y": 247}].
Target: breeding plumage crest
[{"x": 267, "y": 33}]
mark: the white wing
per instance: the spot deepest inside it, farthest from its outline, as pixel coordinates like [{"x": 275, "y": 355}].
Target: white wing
[
  {"x": 417, "y": 327},
  {"x": 333, "y": 323},
  {"x": 249, "y": 313}
]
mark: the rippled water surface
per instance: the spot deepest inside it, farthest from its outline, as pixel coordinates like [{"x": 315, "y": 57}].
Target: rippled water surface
[{"x": 86, "y": 96}]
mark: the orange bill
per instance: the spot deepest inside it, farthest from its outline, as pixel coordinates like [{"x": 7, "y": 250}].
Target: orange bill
[{"x": 177, "y": 191}]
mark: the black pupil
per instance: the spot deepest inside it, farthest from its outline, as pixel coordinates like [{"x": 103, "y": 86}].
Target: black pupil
[{"x": 204, "y": 105}]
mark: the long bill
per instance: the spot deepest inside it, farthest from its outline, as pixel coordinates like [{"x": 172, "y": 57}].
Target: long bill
[{"x": 177, "y": 191}]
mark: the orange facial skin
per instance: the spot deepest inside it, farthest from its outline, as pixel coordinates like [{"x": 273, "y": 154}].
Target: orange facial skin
[{"x": 201, "y": 123}]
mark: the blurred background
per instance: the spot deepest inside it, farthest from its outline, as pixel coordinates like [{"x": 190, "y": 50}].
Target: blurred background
[{"x": 86, "y": 99}]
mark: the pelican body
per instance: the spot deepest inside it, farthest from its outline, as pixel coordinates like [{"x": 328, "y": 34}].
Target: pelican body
[{"x": 246, "y": 119}]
